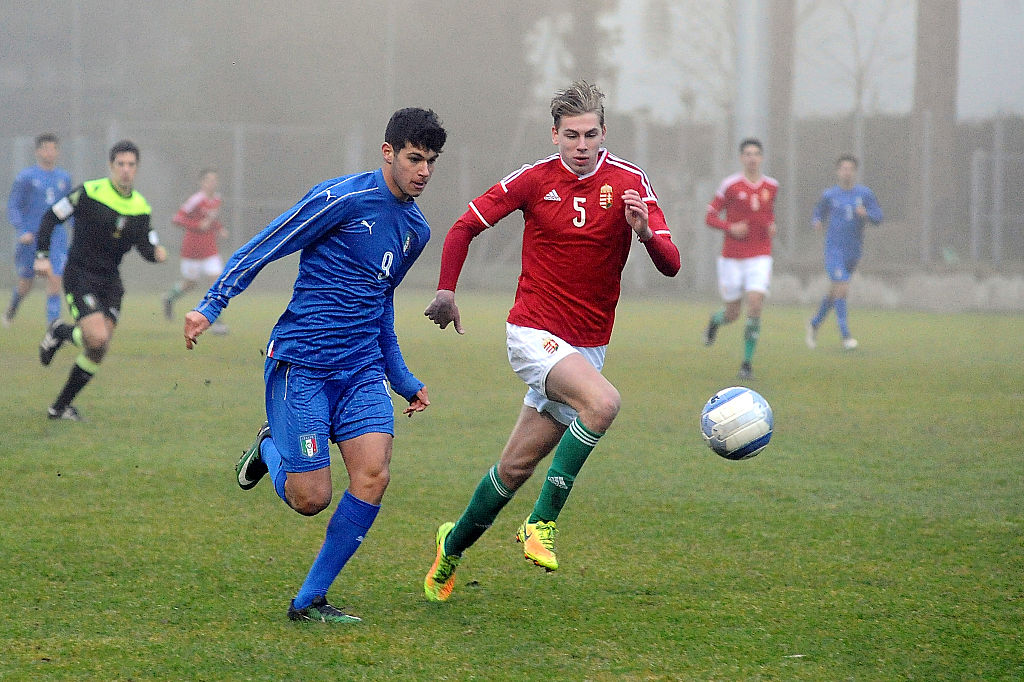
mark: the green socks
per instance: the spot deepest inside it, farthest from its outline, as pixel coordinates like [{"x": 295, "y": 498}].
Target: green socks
[
  {"x": 751, "y": 333},
  {"x": 490, "y": 497},
  {"x": 572, "y": 451}
]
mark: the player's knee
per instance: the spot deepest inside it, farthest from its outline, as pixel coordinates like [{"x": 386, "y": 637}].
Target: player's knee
[
  {"x": 602, "y": 410},
  {"x": 370, "y": 484},
  {"x": 95, "y": 353},
  {"x": 309, "y": 500},
  {"x": 308, "y": 505}
]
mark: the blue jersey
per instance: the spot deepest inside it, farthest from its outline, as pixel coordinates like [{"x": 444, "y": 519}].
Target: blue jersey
[
  {"x": 34, "y": 190},
  {"x": 357, "y": 241},
  {"x": 845, "y": 229}
]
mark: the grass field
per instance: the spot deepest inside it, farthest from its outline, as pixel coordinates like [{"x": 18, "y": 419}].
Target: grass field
[{"x": 879, "y": 536}]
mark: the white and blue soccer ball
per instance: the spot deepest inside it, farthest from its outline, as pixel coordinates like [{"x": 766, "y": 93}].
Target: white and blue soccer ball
[{"x": 737, "y": 423}]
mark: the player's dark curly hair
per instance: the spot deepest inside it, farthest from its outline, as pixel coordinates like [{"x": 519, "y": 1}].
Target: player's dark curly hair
[
  {"x": 124, "y": 146},
  {"x": 419, "y": 127}
]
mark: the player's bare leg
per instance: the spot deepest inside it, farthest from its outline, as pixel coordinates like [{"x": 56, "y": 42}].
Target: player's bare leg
[{"x": 577, "y": 383}]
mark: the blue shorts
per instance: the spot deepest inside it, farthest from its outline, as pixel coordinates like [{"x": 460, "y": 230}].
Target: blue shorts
[
  {"x": 840, "y": 266},
  {"x": 310, "y": 408},
  {"x": 25, "y": 254}
]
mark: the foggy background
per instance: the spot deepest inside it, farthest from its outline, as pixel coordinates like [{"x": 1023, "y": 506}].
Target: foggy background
[{"x": 278, "y": 96}]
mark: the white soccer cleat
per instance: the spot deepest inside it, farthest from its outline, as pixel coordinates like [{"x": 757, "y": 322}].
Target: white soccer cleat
[{"x": 849, "y": 343}]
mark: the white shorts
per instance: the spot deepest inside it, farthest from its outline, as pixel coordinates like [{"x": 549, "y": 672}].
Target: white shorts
[
  {"x": 192, "y": 268},
  {"x": 532, "y": 353},
  {"x": 737, "y": 275}
]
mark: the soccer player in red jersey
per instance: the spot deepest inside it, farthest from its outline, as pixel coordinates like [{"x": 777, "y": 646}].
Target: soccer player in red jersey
[
  {"x": 745, "y": 266},
  {"x": 200, "y": 255},
  {"x": 581, "y": 206}
]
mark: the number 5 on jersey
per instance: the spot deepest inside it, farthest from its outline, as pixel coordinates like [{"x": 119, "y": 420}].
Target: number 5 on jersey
[{"x": 581, "y": 219}]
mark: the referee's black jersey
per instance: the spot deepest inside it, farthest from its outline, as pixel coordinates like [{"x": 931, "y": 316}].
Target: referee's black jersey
[{"x": 107, "y": 226}]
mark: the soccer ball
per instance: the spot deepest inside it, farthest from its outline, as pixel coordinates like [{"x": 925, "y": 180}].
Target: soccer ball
[{"x": 737, "y": 423}]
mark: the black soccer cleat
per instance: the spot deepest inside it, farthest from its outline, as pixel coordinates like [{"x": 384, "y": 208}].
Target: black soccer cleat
[
  {"x": 321, "y": 612},
  {"x": 69, "y": 413},
  {"x": 251, "y": 467},
  {"x": 50, "y": 343},
  {"x": 710, "y": 333},
  {"x": 746, "y": 371}
]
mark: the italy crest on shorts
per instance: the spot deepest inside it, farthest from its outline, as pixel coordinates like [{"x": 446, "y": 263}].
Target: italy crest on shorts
[
  {"x": 606, "y": 196},
  {"x": 307, "y": 444}
]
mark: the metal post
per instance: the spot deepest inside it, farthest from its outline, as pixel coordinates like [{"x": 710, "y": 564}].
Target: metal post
[
  {"x": 238, "y": 187},
  {"x": 977, "y": 201},
  {"x": 998, "y": 194},
  {"x": 926, "y": 186}
]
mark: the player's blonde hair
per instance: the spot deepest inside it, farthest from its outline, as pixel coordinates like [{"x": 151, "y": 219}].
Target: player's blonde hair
[{"x": 579, "y": 98}]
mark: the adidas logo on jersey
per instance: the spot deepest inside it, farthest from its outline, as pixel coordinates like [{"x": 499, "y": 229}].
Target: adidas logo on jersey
[{"x": 552, "y": 196}]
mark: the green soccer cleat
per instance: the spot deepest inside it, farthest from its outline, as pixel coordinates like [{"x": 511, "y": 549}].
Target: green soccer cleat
[
  {"x": 539, "y": 543},
  {"x": 321, "y": 612},
  {"x": 251, "y": 467},
  {"x": 440, "y": 580}
]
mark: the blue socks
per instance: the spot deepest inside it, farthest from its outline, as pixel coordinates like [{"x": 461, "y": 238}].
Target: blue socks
[
  {"x": 271, "y": 456},
  {"x": 819, "y": 317},
  {"x": 840, "y": 305},
  {"x": 844, "y": 328},
  {"x": 345, "y": 531},
  {"x": 52, "y": 307}
]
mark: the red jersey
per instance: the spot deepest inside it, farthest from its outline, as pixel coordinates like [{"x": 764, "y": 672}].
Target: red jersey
[
  {"x": 198, "y": 243},
  {"x": 575, "y": 243},
  {"x": 744, "y": 200}
]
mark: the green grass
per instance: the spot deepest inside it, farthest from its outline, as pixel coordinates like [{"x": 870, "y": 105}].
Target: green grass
[{"x": 878, "y": 537}]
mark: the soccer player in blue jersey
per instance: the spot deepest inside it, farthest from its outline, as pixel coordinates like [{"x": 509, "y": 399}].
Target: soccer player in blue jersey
[
  {"x": 847, "y": 206},
  {"x": 334, "y": 352},
  {"x": 35, "y": 189}
]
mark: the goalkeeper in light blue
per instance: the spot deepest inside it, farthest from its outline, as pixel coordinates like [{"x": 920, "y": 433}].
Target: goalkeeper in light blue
[
  {"x": 333, "y": 356},
  {"x": 847, "y": 207}
]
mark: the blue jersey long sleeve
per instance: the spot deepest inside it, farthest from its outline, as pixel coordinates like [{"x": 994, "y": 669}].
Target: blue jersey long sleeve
[
  {"x": 34, "y": 190},
  {"x": 844, "y": 233},
  {"x": 357, "y": 242}
]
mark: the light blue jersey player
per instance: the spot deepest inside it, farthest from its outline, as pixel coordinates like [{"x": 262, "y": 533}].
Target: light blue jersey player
[
  {"x": 35, "y": 189},
  {"x": 847, "y": 206},
  {"x": 333, "y": 354}
]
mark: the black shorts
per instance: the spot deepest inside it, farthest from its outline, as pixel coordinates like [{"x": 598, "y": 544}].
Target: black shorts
[{"x": 87, "y": 294}]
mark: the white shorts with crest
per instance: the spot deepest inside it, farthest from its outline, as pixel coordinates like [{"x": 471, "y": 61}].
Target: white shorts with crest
[
  {"x": 739, "y": 275},
  {"x": 532, "y": 353}
]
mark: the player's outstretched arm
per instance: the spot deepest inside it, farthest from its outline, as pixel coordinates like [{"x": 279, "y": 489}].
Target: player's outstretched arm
[
  {"x": 443, "y": 311},
  {"x": 195, "y": 324}
]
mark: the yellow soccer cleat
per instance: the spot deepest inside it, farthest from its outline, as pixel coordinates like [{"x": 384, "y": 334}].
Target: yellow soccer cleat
[
  {"x": 440, "y": 580},
  {"x": 539, "y": 543}
]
